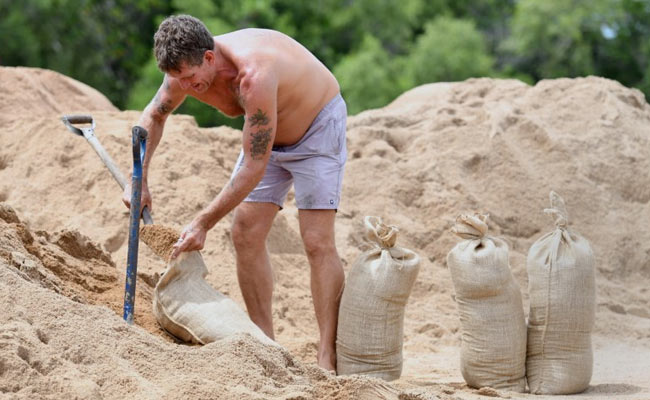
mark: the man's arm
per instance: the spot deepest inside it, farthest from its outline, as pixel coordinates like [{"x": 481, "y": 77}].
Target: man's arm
[
  {"x": 166, "y": 100},
  {"x": 259, "y": 98}
]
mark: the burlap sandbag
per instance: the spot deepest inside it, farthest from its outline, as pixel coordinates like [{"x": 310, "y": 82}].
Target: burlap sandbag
[
  {"x": 493, "y": 341},
  {"x": 562, "y": 288},
  {"x": 371, "y": 316},
  {"x": 186, "y": 306}
]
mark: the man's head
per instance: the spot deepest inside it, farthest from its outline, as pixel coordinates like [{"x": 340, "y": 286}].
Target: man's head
[{"x": 181, "y": 40}]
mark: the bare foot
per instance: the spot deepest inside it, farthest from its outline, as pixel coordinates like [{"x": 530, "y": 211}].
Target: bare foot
[{"x": 327, "y": 360}]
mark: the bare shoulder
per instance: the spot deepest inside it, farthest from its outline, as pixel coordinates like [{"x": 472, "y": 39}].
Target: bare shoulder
[
  {"x": 257, "y": 79},
  {"x": 254, "y": 44},
  {"x": 250, "y": 33},
  {"x": 256, "y": 60}
]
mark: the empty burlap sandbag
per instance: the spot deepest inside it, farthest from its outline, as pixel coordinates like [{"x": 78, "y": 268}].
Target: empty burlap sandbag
[
  {"x": 371, "y": 316},
  {"x": 562, "y": 288},
  {"x": 493, "y": 340},
  {"x": 189, "y": 308}
]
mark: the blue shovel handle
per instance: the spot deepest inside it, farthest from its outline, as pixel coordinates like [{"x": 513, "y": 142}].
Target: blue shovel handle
[{"x": 139, "y": 136}]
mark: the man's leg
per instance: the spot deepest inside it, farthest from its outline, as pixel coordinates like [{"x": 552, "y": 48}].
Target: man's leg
[
  {"x": 327, "y": 278},
  {"x": 250, "y": 227}
]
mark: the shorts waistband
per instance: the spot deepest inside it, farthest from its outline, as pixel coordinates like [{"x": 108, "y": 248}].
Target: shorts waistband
[
  {"x": 327, "y": 109},
  {"x": 325, "y": 112}
]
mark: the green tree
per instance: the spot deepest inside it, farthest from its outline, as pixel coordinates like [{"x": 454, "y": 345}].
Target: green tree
[
  {"x": 623, "y": 53},
  {"x": 490, "y": 16},
  {"x": 368, "y": 77},
  {"x": 95, "y": 41},
  {"x": 377, "y": 48},
  {"x": 449, "y": 50},
  {"x": 556, "y": 38},
  {"x": 21, "y": 44}
]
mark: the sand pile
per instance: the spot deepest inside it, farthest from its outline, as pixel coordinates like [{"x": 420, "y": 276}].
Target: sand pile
[
  {"x": 496, "y": 146},
  {"x": 23, "y": 88},
  {"x": 53, "y": 342},
  {"x": 500, "y": 147},
  {"x": 70, "y": 264}
]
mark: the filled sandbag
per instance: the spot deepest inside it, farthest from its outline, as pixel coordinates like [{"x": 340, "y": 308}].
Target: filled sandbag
[
  {"x": 562, "y": 288},
  {"x": 493, "y": 340},
  {"x": 185, "y": 304},
  {"x": 371, "y": 315}
]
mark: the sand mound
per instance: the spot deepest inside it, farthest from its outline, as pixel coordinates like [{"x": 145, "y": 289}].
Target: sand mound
[
  {"x": 68, "y": 347},
  {"x": 69, "y": 264},
  {"x": 496, "y": 146},
  {"x": 52, "y": 93}
]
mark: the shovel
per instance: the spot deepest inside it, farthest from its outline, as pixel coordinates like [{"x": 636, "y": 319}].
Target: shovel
[
  {"x": 139, "y": 136},
  {"x": 139, "y": 141},
  {"x": 88, "y": 132}
]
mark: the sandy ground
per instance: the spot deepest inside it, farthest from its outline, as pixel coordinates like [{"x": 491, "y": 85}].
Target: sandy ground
[{"x": 496, "y": 146}]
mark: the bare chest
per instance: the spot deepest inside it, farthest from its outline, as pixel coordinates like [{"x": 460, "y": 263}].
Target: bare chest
[{"x": 224, "y": 99}]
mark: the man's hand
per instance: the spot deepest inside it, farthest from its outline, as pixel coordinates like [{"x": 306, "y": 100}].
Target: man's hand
[
  {"x": 192, "y": 238},
  {"x": 145, "y": 199}
]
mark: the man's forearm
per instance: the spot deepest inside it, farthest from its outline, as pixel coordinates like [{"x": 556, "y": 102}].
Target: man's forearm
[
  {"x": 232, "y": 194},
  {"x": 154, "y": 127}
]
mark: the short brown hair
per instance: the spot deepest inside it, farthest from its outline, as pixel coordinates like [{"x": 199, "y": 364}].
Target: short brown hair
[{"x": 181, "y": 39}]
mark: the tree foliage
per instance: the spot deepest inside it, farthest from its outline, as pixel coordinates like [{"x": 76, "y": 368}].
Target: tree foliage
[
  {"x": 449, "y": 50},
  {"x": 97, "y": 42},
  {"x": 376, "y": 48},
  {"x": 555, "y": 38},
  {"x": 368, "y": 77}
]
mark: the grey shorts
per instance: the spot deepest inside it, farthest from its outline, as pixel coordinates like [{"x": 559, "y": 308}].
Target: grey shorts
[{"x": 314, "y": 165}]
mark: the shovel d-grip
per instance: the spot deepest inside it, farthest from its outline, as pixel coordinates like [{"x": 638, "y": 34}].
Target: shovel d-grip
[
  {"x": 84, "y": 126},
  {"x": 139, "y": 141}
]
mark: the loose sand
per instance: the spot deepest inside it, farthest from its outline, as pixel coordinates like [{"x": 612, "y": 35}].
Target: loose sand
[
  {"x": 160, "y": 239},
  {"x": 495, "y": 146}
]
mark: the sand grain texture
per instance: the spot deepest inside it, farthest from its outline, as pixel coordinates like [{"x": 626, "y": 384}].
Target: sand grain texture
[
  {"x": 160, "y": 239},
  {"x": 439, "y": 150}
]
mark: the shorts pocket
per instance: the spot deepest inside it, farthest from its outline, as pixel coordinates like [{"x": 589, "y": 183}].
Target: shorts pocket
[{"x": 324, "y": 140}]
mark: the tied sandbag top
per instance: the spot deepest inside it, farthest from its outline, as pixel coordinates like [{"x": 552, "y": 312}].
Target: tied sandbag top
[
  {"x": 378, "y": 232},
  {"x": 558, "y": 211},
  {"x": 471, "y": 226}
]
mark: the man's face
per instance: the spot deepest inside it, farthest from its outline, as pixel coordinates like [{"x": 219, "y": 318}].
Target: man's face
[{"x": 197, "y": 77}]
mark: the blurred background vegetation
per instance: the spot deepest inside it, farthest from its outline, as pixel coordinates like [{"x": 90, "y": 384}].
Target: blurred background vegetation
[{"x": 376, "y": 48}]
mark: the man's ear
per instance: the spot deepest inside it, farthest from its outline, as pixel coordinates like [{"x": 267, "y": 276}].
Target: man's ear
[{"x": 209, "y": 56}]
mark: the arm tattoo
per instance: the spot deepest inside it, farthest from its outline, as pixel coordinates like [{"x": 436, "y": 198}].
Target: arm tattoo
[
  {"x": 162, "y": 107},
  {"x": 259, "y": 143},
  {"x": 165, "y": 108},
  {"x": 260, "y": 139},
  {"x": 259, "y": 118}
]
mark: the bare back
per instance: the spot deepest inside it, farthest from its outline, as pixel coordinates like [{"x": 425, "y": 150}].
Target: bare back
[{"x": 305, "y": 85}]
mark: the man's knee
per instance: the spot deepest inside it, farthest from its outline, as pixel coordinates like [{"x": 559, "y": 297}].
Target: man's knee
[
  {"x": 247, "y": 233},
  {"x": 318, "y": 243}
]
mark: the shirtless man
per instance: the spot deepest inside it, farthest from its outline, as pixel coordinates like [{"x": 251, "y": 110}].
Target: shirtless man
[{"x": 294, "y": 131}]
